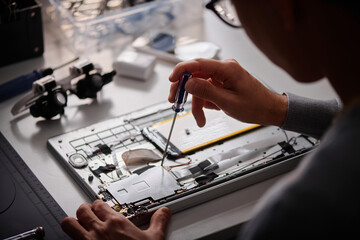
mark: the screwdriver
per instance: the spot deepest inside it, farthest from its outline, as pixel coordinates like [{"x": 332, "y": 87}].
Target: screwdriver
[
  {"x": 24, "y": 82},
  {"x": 36, "y": 233},
  {"x": 180, "y": 100}
]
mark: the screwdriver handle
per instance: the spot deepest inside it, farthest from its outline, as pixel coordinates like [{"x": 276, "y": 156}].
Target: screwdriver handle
[
  {"x": 21, "y": 84},
  {"x": 181, "y": 94}
]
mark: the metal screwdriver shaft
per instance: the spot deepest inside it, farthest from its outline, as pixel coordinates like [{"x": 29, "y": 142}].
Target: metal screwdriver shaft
[
  {"x": 180, "y": 100},
  {"x": 168, "y": 140}
]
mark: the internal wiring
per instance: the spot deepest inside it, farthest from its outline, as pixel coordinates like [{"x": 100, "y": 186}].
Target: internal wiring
[
  {"x": 267, "y": 157},
  {"x": 286, "y": 136},
  {"x": 179, "y": 165},
  {"x": 256, "y": 161}
]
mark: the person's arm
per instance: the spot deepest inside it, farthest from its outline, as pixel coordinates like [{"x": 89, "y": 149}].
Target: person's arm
[
  {"x": 225, "y": 85},
  {"x": 309, "y": 116}
]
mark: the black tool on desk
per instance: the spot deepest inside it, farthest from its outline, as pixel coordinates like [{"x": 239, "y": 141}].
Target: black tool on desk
[
  {"x": 36, "y": 234},
  {"x": 25, "y": 203},
  {"x": 23, "y": 83},
  {"x": 48, "y": 97}
]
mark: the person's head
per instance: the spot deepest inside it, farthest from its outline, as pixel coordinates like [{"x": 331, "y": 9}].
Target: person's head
[
  {"x": 310, "y": 39},
  {"x": 297, "y": 35}
]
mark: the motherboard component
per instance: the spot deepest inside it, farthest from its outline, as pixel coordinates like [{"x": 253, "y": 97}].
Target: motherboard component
[
  {"x": 156, "y": 183},
  {"x": 77, "y": 160},
  {"x": 139, "y": 157}
]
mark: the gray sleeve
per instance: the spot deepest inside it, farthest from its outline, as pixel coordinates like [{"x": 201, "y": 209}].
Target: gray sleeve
[{"x": 309, "y": 116}]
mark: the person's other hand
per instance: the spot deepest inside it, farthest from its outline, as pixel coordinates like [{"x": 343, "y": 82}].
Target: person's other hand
[
  {"x": 227, "y": 86},
  {"x": 99, "y": 221}
]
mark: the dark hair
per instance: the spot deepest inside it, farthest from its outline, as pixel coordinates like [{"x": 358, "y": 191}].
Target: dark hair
[{"x": 352, "y": 6}]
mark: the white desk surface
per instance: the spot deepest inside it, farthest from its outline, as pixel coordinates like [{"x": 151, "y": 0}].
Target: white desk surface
[{"x": 29, "y": 135}]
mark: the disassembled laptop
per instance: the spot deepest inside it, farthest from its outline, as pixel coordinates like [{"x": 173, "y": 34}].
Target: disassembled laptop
[{"x": 118, "y": 160}]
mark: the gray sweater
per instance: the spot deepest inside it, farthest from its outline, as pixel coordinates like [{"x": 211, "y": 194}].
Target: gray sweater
[
  {"x": 308, "y": 116},
  {"x": 321, "y": 198}
]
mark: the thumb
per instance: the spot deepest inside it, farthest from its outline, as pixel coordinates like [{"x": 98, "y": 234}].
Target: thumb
[
  {"x": 159, "y": 222},
  {"x": 204, "y": 89}
]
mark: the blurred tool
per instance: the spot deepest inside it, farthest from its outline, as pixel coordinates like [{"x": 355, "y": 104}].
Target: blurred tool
[
  {"x": 24, "y": 82},
  {"x": 36, "y": 233},
  {"x": 180, "y": 100},
  {"x": 90, "y": 9},
  {"x": 48, "y": 97},
  {"x": 169, "y": 47}
]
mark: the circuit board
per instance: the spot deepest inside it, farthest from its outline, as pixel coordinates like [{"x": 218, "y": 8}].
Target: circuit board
[{"x": 115, "y": 160}]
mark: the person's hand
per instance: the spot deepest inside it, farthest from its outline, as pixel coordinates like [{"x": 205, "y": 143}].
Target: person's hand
[
  {"x": 227, "y": 86},
  {"x": 99, "y": 221}
]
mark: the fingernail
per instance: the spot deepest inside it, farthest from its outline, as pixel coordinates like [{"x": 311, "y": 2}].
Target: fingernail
[{"x": 166, "y": 211}]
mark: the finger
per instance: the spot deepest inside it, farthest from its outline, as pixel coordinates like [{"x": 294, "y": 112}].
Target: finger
[
  {"x": 210, "y": 105},
  {"x": 73, "y": 228},
  {"x": 172, "y": 93},
  {"x": 102, "y": 210},
  {"x": 207, "y": 91},
  {"x": 159, "y": 222},
  {"x": 204, "y": 68},
  {"x": 197, "y": 111},
  {"x": 216, "y": 83},
  {"x": 87, "y": 217}
]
